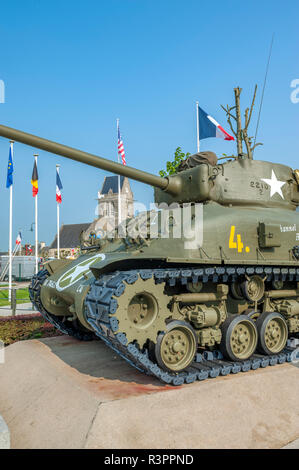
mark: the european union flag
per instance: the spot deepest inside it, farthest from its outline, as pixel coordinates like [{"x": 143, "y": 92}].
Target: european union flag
[{"x": 9, "y": 179}]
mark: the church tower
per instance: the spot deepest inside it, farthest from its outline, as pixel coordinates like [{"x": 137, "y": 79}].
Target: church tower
[{"x": 108, "y": 200}]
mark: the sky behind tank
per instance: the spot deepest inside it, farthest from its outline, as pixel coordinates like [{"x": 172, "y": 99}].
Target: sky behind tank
[{"x": 71, "y": 68}]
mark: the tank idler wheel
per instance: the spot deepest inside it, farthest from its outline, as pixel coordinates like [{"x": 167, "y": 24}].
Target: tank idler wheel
[
  {"x": 272, "y": 333},
  {"x": 239, "y": 338},
  {"x": 176, "y": 346}
]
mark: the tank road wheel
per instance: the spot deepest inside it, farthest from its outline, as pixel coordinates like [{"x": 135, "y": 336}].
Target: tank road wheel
[
  {"x": 176, "y": 346},
  {"x": 239, "y": 338},
  {"x": 142, "y": 311},
  {"x": 273, "y": 333}
]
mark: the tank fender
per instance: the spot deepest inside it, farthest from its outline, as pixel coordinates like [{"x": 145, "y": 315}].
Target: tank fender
[
  {"x": 56, "y": 264},
  {"x": 125, "y": 264}
]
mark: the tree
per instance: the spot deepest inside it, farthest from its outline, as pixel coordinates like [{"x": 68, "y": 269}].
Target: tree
[
  {"x": 171, "y": 167},
  {"x": 240, "y": 133}
]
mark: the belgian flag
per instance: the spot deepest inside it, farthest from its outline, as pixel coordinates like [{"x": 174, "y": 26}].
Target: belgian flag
[{"x": 34, "y": 180}]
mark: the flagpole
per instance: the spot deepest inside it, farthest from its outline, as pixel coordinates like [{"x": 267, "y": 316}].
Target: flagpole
[
  {"x": 36, "y": 226},
  {"x": 119, "y": 199},
  {"x": 58, "y": 221},
  {"x": 10, "y": 234},
  {"x": 197, "y": 127}
]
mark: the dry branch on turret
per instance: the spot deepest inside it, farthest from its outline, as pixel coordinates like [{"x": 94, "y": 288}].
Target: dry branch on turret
[{"x": 241, "y": 133}]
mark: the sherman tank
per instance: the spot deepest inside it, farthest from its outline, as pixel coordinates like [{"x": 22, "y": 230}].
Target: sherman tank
[{"x": 206, "y": 285}]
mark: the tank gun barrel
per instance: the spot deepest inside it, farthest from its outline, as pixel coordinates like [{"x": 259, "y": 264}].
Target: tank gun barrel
[{"x": 168, "y": 185}]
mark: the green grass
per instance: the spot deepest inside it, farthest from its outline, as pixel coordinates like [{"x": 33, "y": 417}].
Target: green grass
[{"x": 22, "y": 297}]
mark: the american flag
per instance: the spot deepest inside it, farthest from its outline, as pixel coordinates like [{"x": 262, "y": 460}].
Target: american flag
[{"x": 120, "y": 146}]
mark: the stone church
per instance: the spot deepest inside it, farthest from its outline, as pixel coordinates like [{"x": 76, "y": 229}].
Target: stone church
[
  {"x": 109, "y": 211},
  {"x": 108, "y": 200}
]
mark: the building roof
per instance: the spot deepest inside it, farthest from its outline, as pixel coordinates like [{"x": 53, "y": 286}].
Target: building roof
[
  {"x": 111, "y": 182},
  {"x": 69, "y": 235}
]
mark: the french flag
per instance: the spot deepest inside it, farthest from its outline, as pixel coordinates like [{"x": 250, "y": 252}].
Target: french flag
[
  {"x": 19, "y": 239},
  {"x": 209, "y": 127},
  {"x": 58, "y": 187}
]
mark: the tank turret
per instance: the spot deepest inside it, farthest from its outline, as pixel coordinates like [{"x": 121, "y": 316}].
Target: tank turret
[{"x": 238, "y": 182}]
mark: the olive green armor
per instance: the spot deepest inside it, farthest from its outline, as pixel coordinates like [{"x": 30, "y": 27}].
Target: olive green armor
[{"x": 207, "y": 286}]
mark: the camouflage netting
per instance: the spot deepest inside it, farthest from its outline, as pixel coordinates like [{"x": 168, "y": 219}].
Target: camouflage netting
[{"x": 198, "y": 159}]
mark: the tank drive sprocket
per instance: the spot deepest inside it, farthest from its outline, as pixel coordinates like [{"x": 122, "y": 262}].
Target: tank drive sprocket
[{"x": 142, "y": 311}]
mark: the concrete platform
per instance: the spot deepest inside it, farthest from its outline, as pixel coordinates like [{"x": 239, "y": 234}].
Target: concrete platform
[{"x": 61, "y": 393}]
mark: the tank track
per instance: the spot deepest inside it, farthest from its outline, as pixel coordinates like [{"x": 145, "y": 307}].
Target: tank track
[
  {"x": 101, "y": 304},
  {"x": 66, "y": 328}
]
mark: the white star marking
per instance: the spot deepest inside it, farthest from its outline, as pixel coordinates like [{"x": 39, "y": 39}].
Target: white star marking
[
  {"x": 275, "y": 185},
  {"x": 77, "y": 272}
]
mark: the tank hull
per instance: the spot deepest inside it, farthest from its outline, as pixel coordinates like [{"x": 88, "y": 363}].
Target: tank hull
[
  {"x": 224, "y": 236},
  {"x": 127, "y": 294}
]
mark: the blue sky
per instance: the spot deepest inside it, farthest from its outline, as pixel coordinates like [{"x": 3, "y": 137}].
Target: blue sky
[{"x": 71, "y": 68}]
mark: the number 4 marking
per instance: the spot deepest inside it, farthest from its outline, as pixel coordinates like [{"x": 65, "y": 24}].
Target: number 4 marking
[
  {"x": 236, "y": 245},
  {"x": 232, "y": 244},
  {"x": 240, "y": 244}
]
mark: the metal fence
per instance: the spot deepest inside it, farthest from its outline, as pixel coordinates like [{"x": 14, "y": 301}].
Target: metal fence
[
  {"x": 16, "y": 305},
  {"x": 23, "y": 267}
]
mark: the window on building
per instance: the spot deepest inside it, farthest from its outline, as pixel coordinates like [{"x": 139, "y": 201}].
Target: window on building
[{"x": 110, "y": 209}]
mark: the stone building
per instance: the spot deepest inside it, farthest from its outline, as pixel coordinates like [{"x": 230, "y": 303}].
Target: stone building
[
  {"x": 108, "y": 206},
  {"x": 108, "y": 200},
  {"x": 69, "y": 237}
]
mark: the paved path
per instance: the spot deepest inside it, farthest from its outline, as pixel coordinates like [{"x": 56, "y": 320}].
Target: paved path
[
  {"x": 22, "y": 309},
  {"x": 62, "y": 393}
]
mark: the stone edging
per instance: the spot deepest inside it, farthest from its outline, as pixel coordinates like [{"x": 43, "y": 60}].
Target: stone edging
[{"x": 4, "y": 435}]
